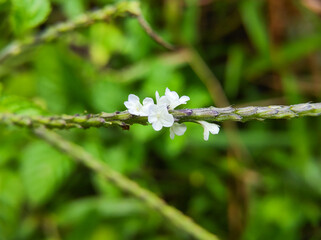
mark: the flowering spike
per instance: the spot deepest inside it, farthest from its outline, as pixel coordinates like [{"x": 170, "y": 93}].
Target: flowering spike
[{"x": 159, "y": 116}]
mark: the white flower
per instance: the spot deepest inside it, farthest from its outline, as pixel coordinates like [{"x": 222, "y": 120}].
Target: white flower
[
  {"x": 147, "y": 102},
  {"x": 158, "y": 114},
  {"x": 209, "y": 128},
  {"x": 173, "y": 100},
  {"x": 161, "y": 100},
  {"x": 159, "y": 117},
  {"x": 178, "y": 129},
  {"x": 136, "y": 108}
]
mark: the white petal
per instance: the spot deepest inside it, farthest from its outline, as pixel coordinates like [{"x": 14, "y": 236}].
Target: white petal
[
  {"x": 157, "y": 126},
  {"x": 148, "y": 101},
  {"x": 152, "y": 119},
  {"x": 127, "y": 104},
  {"x": 214, "y": 128},
  {"x": 133, "y": 105},
  {"x": 179, "y": 129},
  {"x": 163, "y": 110},
  {"x": 153, "y": 109},
  {"x": 133, "y": 98},
  {"x": 133, "y": 112},
  {"x": 167, "y": 92},
  {"x": 163, "y": 100},
  {"x": 144, "y": 111},
  {"x": 174, "y": 100},
  {"x": 130, "y": 104},
  {"x": 209, "y": 127},
  {"x": 152, "y": 116},
  {"x": 171, "y": 132},
  {"x": 184, "y": 99},
  {"x": 168, "y": 120},
  {"x": 157, "y": 96},
  {"x": 206, "y": 134},
  {"x": 171, "y": 95},
  {"x": 133, "y": 108}
]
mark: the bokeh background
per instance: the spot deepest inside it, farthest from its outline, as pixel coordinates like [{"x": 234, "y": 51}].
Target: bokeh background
[{"x": 255, "y": 180}]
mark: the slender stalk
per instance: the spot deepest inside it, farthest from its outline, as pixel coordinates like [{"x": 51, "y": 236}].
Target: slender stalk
[
  {"x": 122, "y": 9},
  {"x": 150, "y": 32},
  {"x": 171, "y": 214},
  {"x": 54, "y": 32},
  {"x": 237, "y": 152},
  {"x": 125, "y": 119}
]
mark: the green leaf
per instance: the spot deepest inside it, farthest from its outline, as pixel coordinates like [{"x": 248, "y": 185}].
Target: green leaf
[
  {"x": 43, "y": 170},
  {"x": 253, "y": 20},
  {"x": 233, "y": 72},
  {"x": 110, "y": 208},
  {"x": 107, "y": 96},
  {"x": 11, "y": 196},
  {"x": 27, "y": 14},
  {"x": 19, "y": 105},
  {"x": 72, "y": 8},
  {"x": 101, "y": 47}
]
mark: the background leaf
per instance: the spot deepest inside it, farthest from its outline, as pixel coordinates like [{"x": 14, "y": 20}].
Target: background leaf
[
  {"x": 11, "y": 199},
  {"x": 27, "y": 14},
  {"x": 263, "y": 52},
  {"x": 43, "y": 170}
]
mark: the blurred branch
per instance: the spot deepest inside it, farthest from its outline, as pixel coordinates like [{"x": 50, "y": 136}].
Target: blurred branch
[
  {"x": 122, "y": 9},
  {"x": 208, "y": 78},
  {"x": 124, "y": 119},
  {"x": 171, "y": 214},
  {"x": 237, "y": 194},
  {"x": 138, "y": 70},
  {"x": 144, "y": 24}
]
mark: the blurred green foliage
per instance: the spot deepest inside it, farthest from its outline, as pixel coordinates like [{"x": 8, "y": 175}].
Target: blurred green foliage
[{"x": 44, "y": 195}]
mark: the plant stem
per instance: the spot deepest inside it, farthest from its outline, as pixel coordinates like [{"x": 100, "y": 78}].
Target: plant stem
[
  {"x": 171, "y": 214},
  {"x": 122, "y": 9},
  {"x": 125, "y": 119},
  {"x": 150, "y": 32}
]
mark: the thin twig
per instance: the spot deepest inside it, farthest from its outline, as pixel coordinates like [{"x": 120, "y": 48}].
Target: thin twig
[
  {"x": 171, "y": 214},
  {"x": 144, "y": 24},
  {"x": 55, "y": 31},
  {"x": 122, "y": 9},
  {"x": 237, "y": 151},
  {"x": 125, "y": 119}
]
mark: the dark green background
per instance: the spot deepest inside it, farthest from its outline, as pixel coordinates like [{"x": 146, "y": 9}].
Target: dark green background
[{"x": 261, "y": 52}]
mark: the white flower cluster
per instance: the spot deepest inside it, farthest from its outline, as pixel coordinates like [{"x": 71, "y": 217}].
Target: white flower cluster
[{"x": 159, "y": 116}]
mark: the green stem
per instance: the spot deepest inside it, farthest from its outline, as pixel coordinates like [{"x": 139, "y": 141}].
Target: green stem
[
  {"x": 171, "y": 214},
  {"x": 124, "y": 119},
  {"x": 122, "y": 9}
]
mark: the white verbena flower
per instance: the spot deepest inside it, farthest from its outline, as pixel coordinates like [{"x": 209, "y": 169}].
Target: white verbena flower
[
  {"x": 147, "y": 102},
  {"x": 161, "y": 100},
  {"x": 159, "y": 117},
  {"x": 209, "y": 128},
  {"x": 177, "y": 129},
  {"x": 136, "y": 108},
  {"x": 173, "y": 100}
]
